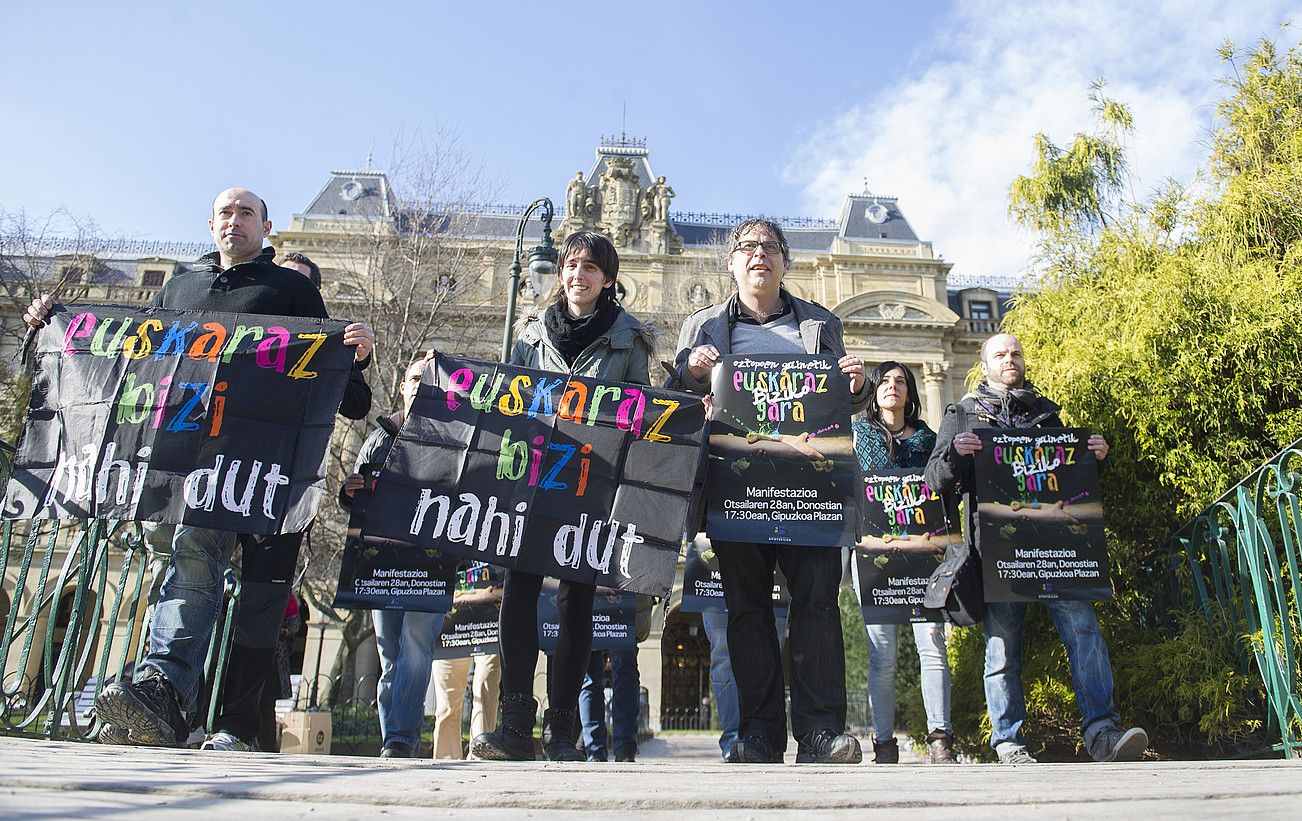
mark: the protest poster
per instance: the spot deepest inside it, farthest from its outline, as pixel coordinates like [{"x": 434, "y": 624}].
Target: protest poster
[
  {"x": 782, "y": 467},
  {"x": 207, "y": 419},
  {"x": 384, "y": 574},
  {"x": 1040, "y": 516},
  {"x": 614, "y": 619},
  {"x": 559, "y": 475},
  {"x": 470, "y": 627},
  {"x": 904, "y": 537},
  {"x": 703, "y": 586}
]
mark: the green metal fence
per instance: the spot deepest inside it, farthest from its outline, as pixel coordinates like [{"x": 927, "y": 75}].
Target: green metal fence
[
  {"x": 73, "y": 611},
  {"x": 1237, "y": 565}
]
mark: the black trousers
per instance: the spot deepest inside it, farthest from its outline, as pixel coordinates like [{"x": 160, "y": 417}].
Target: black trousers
[
  {"x": 518, "y": 624},
  {"x": 267, "y": 573},
  {"x": 813, "y": 639}
]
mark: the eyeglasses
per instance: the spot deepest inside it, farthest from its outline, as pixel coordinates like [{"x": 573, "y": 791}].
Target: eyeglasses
[{"x": 748, "y": 247}]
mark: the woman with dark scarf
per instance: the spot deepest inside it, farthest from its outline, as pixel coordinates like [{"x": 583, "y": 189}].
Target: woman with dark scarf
[
  {"x": 583, "y": 332},
  {"x": 890, "y": 435}
]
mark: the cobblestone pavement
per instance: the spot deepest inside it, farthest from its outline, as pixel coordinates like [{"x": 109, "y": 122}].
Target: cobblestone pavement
[{"x": 677, "y": 778}]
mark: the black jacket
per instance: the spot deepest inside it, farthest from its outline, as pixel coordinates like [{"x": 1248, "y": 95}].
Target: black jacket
[{"x": 257, "y": 286}]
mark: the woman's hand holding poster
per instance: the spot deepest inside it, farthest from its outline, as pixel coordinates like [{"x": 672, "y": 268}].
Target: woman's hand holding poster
[
  {"x": 782, "y": 468},
  {"x": 1039, "y": 516}
]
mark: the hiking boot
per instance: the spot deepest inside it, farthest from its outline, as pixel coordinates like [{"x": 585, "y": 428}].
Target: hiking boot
[
  {"x": 147, "y": 711},
  {"x": 513, "y": 738},
  {"x": 224, "y": 742},
  {"x": 559, "y": 732},
  {"x": 1016, "y": 754},
  {"x": 940, "y": 746},
  {"x": 754, "y": 749},
  {"x": 886, "y": 752},
  {"x": 626, "y": 755},
  {"x": 1114, "y": 744},
  {"x": 828, "y": 747},
  {"x": 397, "y": 749},
  {"x": 108, "y": 734}
]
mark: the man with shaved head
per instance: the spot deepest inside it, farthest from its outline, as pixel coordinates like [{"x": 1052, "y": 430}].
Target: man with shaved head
[
  {"x": 239, "y": 277},
  {"x": 1006, "y": 399}
]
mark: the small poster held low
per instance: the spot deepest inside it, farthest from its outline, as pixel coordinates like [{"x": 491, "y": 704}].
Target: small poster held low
[
  {"x": 905, "y": 536},
  {"x": 1040, "y": 516},
  {"x": 470, "y": 627},
  {"x": 614, "y": 619},
  {"x": 703, "y": 584}
]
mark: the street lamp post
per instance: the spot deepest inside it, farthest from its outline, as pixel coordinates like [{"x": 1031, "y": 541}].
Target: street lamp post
[{"x": 542, "y": 265}]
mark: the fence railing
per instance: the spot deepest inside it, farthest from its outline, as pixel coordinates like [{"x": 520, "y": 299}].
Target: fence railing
[
  {"x": 74, "y": 611},
  {"x": 1237, "y": 565}
]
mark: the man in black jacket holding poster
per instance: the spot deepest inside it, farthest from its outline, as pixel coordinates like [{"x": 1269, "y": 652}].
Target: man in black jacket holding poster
[
  {"x": 1005, "y": 399},
  {"x": 761, "y": 317},
  {"x": 239, "y": 277}
]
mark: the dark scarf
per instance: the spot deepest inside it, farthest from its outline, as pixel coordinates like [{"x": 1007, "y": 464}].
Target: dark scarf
[
  {"x": 1012, "y": 408},
  {"x": 572, "y": 336}
]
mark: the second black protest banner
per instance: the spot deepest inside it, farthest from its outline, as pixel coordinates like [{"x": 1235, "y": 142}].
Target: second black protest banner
[
  {"x": 782, "y": 468},
  {"x": 562, "y": 476},
  {"x": 1040, "y": 516}
]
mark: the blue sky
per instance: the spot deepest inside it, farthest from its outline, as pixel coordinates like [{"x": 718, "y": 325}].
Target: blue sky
[{"x": 135, "y": 115}]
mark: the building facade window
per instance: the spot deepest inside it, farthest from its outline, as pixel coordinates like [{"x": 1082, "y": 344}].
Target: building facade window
[{"x": 152, "y": 278}]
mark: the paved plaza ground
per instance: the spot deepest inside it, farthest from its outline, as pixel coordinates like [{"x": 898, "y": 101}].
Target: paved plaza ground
[{"x": 677, "y": 778}]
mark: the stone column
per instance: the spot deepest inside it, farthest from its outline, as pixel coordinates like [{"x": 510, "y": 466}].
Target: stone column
[{"x": 933, "y": 381}]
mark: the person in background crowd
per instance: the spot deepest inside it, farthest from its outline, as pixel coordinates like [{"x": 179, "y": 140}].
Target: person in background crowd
[
  {"x": 449, "y": 686},
  {"x": 761, "y": 317},
  {"x": 267, "y": 565},
  {"x": 1005, "y": 399},
  {"x": 405, "y": 638},
  {"x": 891, "y": 435},
  {"x": 239, "y": 277},
  {"x": 584, "y": 331},
  {"x": 625, "y": 694}
]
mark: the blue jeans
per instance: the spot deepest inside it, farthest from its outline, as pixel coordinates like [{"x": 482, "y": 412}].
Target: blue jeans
[
  {"x": 883, "y": 651},
  {"x": 1091, "y": 671},
  {"x": 721, "y": 680},
  {"x": 187, "y": 608},
  {"x": 625, "y": 687},
  {"x": 406, "y": 642}
]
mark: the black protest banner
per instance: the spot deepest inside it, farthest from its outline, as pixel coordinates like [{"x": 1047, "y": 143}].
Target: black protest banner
[
  {"x": 206, "y": 419},
  {"x": 384, "y": 574},
  {"x": 562, "y": 476},
  {"x": 905, "y": 536},
  {"x": 782, "y": 467},
  {"x": 703, "y": 584},
  {"x": 1040, "y": 516},
  {"x": 470, "y": 627},
  {"x": 614, "y": 619}
]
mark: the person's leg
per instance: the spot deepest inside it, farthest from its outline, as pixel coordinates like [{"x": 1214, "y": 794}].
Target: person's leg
[
  {"x": 1005, "y": 699},
  {"x": 625, "y": 692},
  {"x": 592, "y": 708},
  {"x": 814, "y": 639},
  {"x": 1091, "y": 669},
  {"x": 933, "y": 662},
  {"x": 450, "y": 688},
  {"x": 721, "y": 681},
  {"x": 268, "y": 735},
  {"x": 484, "y": 688},
  {"x": 388, "y": 641},
  {"x": 569, "y": 664},
  {"x": 883, "y": 653},
  {"x": 746, "y": 571},
  {"x": 512, "y": 740},
  {"x": 411, "y": 678}
]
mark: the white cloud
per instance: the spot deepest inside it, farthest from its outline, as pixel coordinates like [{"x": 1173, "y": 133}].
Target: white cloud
[{"x": 949, "y": 141}]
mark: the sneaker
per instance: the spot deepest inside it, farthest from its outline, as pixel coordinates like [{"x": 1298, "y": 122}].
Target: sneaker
[
  {"x": 223, "y": 742},
  {"x": 397, "y": 749},
  {"x": 753, "y": 750},
  {"x": 1115, "y": 744},
  {"x": 886, "y": 752},
  {"x": 829, "y": 747},
  {"x": 626, "y": 755},
  {"x": 146, "y": 710},
  {"x": 1016, "y": 755},
  {"x": 940, "y": 746}
]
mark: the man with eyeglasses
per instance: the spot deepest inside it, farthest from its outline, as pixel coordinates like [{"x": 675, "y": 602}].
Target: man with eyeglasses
[{"x": 760, "y": 318}]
